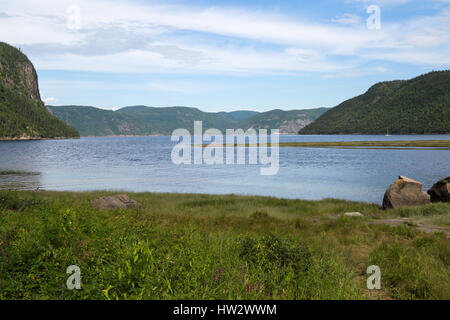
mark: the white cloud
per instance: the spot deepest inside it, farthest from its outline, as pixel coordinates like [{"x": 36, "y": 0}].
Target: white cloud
[
  {"x": 137, "y": 37},
  {"x": 344, "y": 74},
  {"x": 50, "y": 100},
  {"x": 347, "y": 18}
]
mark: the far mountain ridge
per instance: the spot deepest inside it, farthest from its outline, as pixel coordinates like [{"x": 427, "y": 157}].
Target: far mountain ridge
[{"x": 143, "y": 120}]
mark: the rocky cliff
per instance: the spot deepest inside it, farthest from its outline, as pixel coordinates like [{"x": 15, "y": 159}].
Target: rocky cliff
[{"x": 22, "y": 113}]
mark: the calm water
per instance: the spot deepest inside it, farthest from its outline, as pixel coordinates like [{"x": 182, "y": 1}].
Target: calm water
[{"x": 144, "y": 164}]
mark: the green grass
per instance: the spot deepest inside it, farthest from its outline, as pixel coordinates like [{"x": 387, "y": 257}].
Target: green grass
[
  {"x": 393, "y": 144},
  {"x": 401, "y": 144},
  {"x": 186, "y": 246}
]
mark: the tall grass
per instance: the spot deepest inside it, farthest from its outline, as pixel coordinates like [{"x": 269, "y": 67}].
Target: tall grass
[{"x": 212, "y": 247}]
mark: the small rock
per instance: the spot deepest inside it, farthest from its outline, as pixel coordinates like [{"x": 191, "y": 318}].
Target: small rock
[
  {"x": 405, "y": 192},
  {"x": 114, "y": 202},
  {"x": 353, "y": 214},
  {"x": 440, "y": 191}
]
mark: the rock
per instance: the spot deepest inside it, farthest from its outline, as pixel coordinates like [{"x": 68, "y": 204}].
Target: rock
[
  {"x": 440, "y": 191},
  {"x": 353, "y": 214},
  {"x": 114, "y": 202},
  {"x": 405, "y": 192}
]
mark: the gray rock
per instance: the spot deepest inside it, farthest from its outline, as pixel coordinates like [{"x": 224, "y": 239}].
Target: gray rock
[
  {"x": 353, "y": 214},
  {"x": 440, "y": 191},
  {"x": 114, "y": 202},
  {"x": 405, "y": 192}
]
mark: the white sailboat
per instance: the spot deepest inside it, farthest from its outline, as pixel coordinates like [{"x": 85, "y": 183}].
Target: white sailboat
[{"x": 387, "y": 133}]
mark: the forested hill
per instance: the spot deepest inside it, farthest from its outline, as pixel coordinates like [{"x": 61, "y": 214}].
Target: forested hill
[
  {"x": 22, "y": 113},
  {"x": 417, "y": 106},
  {"x": 287, "y": 122},
  {"x": 142, "y": 120}
]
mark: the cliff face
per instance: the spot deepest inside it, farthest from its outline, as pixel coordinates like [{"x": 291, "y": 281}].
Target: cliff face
[
  {"x": 22, "y": 113},
  {"x": 17, "y": 72},
  {"x": 31, "y": 80}
]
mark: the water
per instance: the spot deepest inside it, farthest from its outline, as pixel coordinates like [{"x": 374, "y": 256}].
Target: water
[{"x": 143, "y": 164}]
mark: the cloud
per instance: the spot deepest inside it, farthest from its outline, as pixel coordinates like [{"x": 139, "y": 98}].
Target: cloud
[
  {"x": 385, "y": 3},
  {"x": 344, "y": 74},
  {"x": 347, "y": 18},
  {"x": 49, "y": 100},
  {"x": 4, "y": 15},
  {"x": 153, "y": 37}
]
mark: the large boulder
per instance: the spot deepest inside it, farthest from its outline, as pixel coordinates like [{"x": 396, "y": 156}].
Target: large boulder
[
  {"x": 114, "y": 202},
  {"x": 405, "y": 192},
  {"x": 440, "y": 191}
]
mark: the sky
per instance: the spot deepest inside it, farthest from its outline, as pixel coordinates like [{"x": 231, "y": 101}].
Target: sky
[{"x": 224, "y": 55}]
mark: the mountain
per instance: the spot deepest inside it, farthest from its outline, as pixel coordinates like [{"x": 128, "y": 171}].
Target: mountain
[
  {"x": 417, "y": 106},
  {"x": 91, "y": 121},
  {"x": 165, "y": 120},
  {"x": 22, "y": 113},
  {"x": 142, "y": 120},
  {"x": 238, "y": 115},
  {"x": 289, "y": 122},
  {"x": 137, "y": 120}
]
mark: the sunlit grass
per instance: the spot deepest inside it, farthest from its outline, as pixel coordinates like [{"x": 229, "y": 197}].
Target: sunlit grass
[
  {"x": 400, "y": 144},
  {"x": 187, "y": 246}
]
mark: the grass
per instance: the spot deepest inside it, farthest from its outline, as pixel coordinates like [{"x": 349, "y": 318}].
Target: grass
[
  {"x": 436, "y": 144},
  {"x": 186, "y": 246}
]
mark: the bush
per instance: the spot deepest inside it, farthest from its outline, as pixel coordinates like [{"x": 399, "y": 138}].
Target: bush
[{"x": 413, "y": 272}]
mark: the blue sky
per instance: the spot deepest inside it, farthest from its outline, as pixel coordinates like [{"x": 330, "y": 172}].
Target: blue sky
[{"x": 223, "y": 55}]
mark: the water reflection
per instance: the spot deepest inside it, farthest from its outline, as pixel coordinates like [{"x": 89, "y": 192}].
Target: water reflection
[{"x": 143, "y": 164}]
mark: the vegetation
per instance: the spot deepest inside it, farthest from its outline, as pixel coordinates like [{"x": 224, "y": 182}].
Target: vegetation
[
  {"x": 90, "y": 121},
  {"x": 142, "y": 120},
  {"x": 239, "y": 116},
  {"x": 165, "y": 120},
  {"x": 181, "y": 246},
  {"x": 22, "y": 113},
  {"x": 401, "y": 144},
  {"x": 286, "y": 121},
  {"x": 417, "y": 106}
]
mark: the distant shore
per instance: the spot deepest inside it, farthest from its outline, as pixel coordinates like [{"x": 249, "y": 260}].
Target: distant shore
[
  {"x": 398, "y": 144},
  {"x": 35, "y": 138}
]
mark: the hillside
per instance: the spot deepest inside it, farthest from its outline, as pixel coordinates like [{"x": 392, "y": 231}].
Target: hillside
[
  {"x": 142, "y": 120},
  {"x": 22, "y": 113},
  {"x": 289, "y": 122},
  {"x": 91, "y": 121},
  {"x": 417, "y": 106},
  {"x": 239, "y": 115},
  {"x": 165, "y": 120}
]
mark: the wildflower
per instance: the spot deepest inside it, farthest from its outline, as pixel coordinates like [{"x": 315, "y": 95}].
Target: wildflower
[
  {"x": 216, "y": 279},
  {"x": 220, "y": 271}
]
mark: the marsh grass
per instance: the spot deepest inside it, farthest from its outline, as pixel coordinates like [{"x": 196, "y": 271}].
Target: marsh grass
[
  {"x": 186, "y": 246},
  {"x": 399, "y": 144}
]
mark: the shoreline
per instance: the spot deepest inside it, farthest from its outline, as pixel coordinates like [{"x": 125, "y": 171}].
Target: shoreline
[
  {"x": 283, "y": 134},
  {"x": 389, "y": 144},
  {"x": 38, "y": 138},
  {"x": 183, "y": 194}
]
